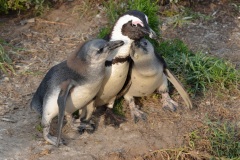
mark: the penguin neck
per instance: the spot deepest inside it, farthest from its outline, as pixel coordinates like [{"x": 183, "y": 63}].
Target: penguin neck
[
  {"x": 147, "y": 67},
  {"x": 76, "y": 64},
  {"x": 121, "y": 52}
]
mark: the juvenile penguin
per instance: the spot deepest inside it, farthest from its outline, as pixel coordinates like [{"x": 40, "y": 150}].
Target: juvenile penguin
[
  {"x": 72, "y": 84},
  {"x": 147, "y": 74},
  {"x": 131, "y": 26}
]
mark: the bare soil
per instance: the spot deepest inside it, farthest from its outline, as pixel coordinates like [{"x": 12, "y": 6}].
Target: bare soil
[{"x": 47, "y": 40}]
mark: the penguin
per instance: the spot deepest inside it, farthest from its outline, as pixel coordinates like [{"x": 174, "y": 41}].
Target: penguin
[
  {"x": 149, "y": 73},
  {"x": 131, "y": 26},
  {"x": 72, "y": 84}
]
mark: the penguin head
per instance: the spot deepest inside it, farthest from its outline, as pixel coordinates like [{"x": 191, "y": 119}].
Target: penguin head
[
  {"x": 97, "y": 50},
  {"x": 132, "y": 25},
  {"x": 141, "y": 50}
]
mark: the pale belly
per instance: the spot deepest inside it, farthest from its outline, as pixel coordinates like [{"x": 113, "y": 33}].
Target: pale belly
[
  {"x": 79, "y": 97},
  {"x": 144, "y": 85},
  {"x": 115, "y": 77}
]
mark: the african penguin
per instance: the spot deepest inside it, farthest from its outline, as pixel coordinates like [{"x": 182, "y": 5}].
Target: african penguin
[
  {"x": 131, "y": 26},
  {"x": 147, "y": 74},
  {"x": 72, "y": 84}
]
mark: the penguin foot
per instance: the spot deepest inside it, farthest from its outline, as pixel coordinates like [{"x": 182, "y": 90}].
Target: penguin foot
[
  {"x": 111, "y": 118},
  {"x": 137, "y": 114},
  {"x": 52, "y": 140},
  {"x": 169, "y": 104},
  {"x": 86, "y": 126},
  {"x": 74, "y": 124}
]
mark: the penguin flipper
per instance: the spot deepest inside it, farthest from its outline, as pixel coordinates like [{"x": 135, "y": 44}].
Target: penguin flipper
[
  {"x": 66, "y": 86},
  {"x": 177, "y": 84}
]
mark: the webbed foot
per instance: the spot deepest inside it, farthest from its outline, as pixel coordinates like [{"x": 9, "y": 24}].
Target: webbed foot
[
  {"x": 51, "y": 139},
  {"x": 137, "y": 114},
  {"x": 87, "y": 126},
  {"x": 168, "y": 103}
]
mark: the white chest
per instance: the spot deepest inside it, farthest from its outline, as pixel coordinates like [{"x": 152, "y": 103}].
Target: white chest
[
  {"x": 81, "y": 95},
  {"x": 144, "y": 85}
]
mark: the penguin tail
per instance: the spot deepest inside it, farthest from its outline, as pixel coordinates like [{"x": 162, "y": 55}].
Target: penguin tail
[
  {"x": 36, "y": 105},
  {"x": 177, "y": 84}
]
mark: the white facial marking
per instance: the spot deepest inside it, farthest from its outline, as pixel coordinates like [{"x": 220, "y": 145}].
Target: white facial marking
[{"x": 146, "y": 18}]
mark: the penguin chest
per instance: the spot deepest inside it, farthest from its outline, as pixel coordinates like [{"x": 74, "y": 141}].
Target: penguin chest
[
  {"x": 81, "y": 96},
  {"x": 144, "y": 85},
  {"x": 115, "y": 77}
]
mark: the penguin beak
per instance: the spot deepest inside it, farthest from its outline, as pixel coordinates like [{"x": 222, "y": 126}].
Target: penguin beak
[
  {"x": 152, "y": 34},
  {"x": 148, "y": 31},
  {"x": 111, "y": 45}
]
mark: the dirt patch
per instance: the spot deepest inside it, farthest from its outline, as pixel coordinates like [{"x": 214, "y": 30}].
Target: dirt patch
[{"x": 49, "y": 39}]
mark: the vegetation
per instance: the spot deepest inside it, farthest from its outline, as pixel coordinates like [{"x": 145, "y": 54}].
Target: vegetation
[
  {"x": 215, "y": 140},
  {"x": 6, "y": 64},
  {"x": 220, "y": 139},
  {"x": 198, "y": 70},
  {"x": 21, "y": 5}
]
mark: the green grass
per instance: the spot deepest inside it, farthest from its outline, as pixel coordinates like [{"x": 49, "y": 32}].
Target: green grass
[
  {"x": 222, "y": 137},
  {"x": 6, "y": 65},
  {"x": 198, "y": 70},
  {"x": 118, "y": 107}
]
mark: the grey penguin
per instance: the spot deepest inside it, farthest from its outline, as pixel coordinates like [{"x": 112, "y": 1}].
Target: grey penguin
[
  {"x": 72, "y": 84},
  {"x": 131, "y": 26},
  {"x": 149, "y": 73}
]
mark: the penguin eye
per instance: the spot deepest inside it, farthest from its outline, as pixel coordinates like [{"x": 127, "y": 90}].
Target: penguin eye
[
  {"x": 145, "y": 43},
  {"x": 100, "y": 51}
]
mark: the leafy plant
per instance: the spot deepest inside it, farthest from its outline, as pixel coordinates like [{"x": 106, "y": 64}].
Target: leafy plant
[{"x": 23, "y": 5}]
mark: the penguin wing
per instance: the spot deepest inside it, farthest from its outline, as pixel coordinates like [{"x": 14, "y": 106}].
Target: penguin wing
[
  {"x": 66, "y": 87},
  {"x": 128, "y": 81},
  {"x": 173, "y": 79},
  {"x": 161, "y": 60},
  {"x": 177, "y": 84}
]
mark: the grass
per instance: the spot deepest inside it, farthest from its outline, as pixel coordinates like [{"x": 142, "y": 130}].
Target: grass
[
  {"x": 221, "y": 138},
  {"x": 118, "y": 107},
  {"x": 198, "y": 70},
  {"x": 6, "y": 65},
  {"x": 213, "y": 141}
]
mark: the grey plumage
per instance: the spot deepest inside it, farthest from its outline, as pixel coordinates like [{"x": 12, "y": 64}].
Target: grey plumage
[
  {"x": 147, "y": 74},
  {"x": 72, "y": 84}
]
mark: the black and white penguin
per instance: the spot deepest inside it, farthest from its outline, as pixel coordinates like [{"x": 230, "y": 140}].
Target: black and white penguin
[
  {"x": 131, "y": 26},
  {"x": 72, "y": 84},
  {"x": 149, "y": 73}
]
